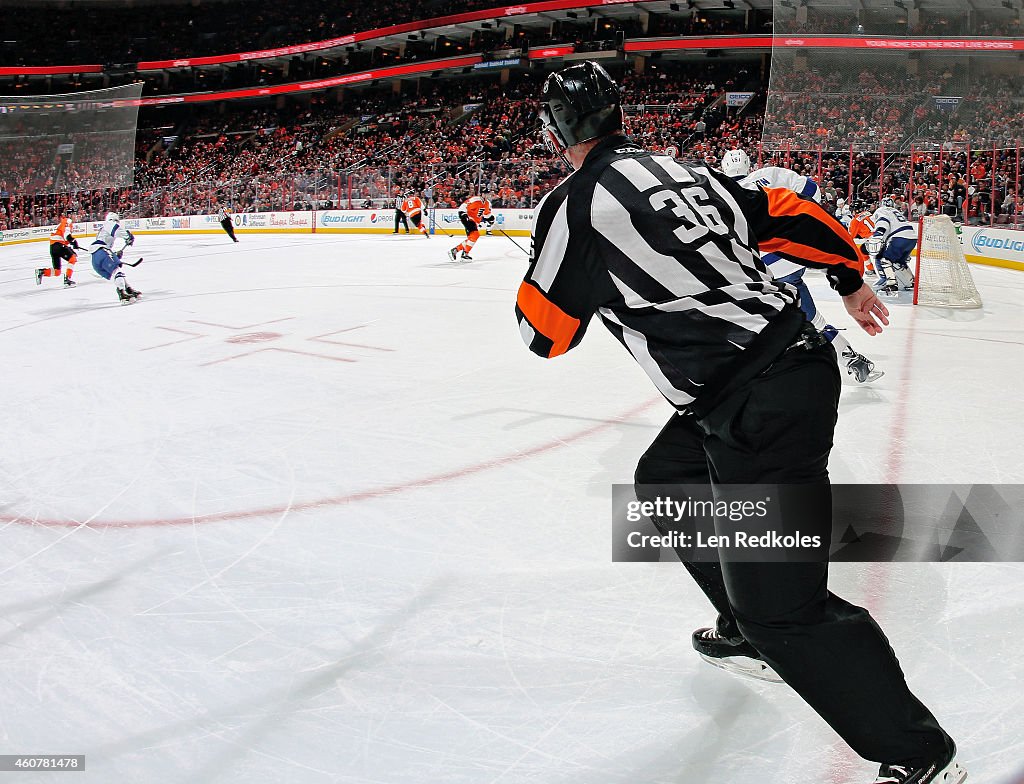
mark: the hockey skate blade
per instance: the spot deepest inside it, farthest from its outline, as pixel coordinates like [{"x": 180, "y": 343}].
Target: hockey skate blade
[
  {"x": 954, "y": 773},
  {"x": 744, "y": 666}
]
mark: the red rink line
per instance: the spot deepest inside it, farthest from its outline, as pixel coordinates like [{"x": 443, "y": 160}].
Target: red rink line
[
  {"x": 875, "y": 579},
  {"x": 897, "y": 440},
  {"x": 351, "y": 498}
]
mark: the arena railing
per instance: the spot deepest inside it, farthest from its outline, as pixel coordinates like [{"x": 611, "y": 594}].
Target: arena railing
[{"x": 989, "y": 194}]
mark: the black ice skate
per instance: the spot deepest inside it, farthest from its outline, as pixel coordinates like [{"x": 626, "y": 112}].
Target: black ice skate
[
  {"x": 465, "y": 256},
  {"x": 68, "y": 283},
  {"x": 860, "y": 367},
  {"x": 132, "y": 292},
  {"x": 732, "y": 654},
  {"x": 124, "y": 297},
  {"x": 941, "y": 771},
  {"x": 39, "y": 274},
  {"x": 452, "y": 252}
]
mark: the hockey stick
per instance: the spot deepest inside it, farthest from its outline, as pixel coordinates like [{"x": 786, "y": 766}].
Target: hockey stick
[
  {"x": 436, "y": 224},
  {"x": 133, "y": 263},
  {"x": 515, "y": 243}
]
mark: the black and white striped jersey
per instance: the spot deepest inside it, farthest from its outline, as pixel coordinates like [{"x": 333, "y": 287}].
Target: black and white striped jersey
[{"x": 667, "y": 255}]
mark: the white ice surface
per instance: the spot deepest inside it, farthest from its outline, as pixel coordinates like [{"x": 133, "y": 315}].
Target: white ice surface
[{"x": 311, "y": 512}]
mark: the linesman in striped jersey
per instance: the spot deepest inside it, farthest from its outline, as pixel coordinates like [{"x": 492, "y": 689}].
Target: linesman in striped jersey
[
  {"x": 224, "y": 218},
  {"x": 667, "y": 255}
]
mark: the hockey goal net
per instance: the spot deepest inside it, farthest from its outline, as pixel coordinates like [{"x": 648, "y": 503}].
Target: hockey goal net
[{"x": 942, "y": 277}]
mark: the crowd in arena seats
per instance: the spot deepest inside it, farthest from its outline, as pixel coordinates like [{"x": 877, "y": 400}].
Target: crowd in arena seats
[
  {"x": 672, "y": 107},
  {"x": 1008, "y": 26},
  {"x": 884, "y": 107},
  {"x": 711, "y": 22},
  {"x": 456, "y": 137},
  {"x": 939, "y": 23},
  {"x": 837, "y": 108}
]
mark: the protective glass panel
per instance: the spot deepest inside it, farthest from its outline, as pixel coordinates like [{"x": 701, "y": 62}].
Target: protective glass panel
[
  {"x": 891, "y": 76},
  {"x": 69, "y": 143}
]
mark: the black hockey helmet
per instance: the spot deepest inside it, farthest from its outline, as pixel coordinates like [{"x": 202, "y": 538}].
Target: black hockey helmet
[{"x": 577, "y": 104}]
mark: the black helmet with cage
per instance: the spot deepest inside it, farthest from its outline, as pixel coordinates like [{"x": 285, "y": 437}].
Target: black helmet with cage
[{"x": 578, "y": 104}]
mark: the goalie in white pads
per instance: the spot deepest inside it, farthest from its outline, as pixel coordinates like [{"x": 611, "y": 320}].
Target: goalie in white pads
[
  {"x": 891, "y": 244},
  {"x": 107, "y": 262},
  {"x": 736, "y": 164}
]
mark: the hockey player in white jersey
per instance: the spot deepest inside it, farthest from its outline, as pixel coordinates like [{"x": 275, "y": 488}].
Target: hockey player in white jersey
[
  {"x": 844, "y": 213},
  {"x": 736, "y": 164},
  {"x": 107, "y": 262},
  {"x": 891, "y": 244}
]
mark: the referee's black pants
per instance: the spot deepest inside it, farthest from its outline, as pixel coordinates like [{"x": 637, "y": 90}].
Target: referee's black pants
[
  {"x": 229, "y": 227},
  {"x": 401, "y": 217},
  {"x": 778, "y": 428}
]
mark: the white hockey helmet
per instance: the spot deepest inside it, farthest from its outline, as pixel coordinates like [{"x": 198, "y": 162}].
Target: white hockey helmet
[
  {"x": 113, "y": 216},
  {"x": 889, "y": 202},
  {"x": 840, "y": 202},
  {"x": 736, "y": 163}
]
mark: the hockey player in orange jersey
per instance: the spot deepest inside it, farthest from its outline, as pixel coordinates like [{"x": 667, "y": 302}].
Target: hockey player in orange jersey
[
  {"x": 412, "y": 208},
  {"x": 62, "y": 247},
  {"x": 472, "y": 212},
  {"x": 861, "y": 228}
]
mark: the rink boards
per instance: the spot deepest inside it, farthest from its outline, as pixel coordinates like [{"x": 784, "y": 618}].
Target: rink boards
[
  {"x": 982, "y": 245},
  {"x": 514, "y": 222}
]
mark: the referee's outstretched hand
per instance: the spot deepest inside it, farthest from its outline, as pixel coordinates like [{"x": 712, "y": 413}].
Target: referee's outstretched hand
[{"x": 867, "y": 310}]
